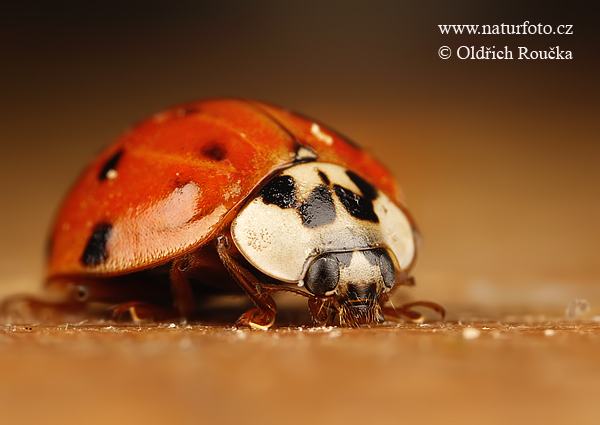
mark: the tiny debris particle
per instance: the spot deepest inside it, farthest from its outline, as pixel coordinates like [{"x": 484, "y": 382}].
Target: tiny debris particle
[
  {"x": 577, "y": 308},
  {"x": 549, "y": 332},
  {"x": 471, "y": 333},
  {"x": 111, "y": 174},
  {"x": 335, "y": 334}
]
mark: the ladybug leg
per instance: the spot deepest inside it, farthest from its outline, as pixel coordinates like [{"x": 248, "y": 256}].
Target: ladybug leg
[
  {"x": 32, "y": 307},
  {"x": 180, "y": 286},
  {"x": 406, "y": 311},
  {"x": 407, "y": 281},
  {"x": 321, "y": 311},
  {"x": 263, "y": 316},
  {"x": 181, "y": 290},
  {"x": 140, "y": 311}
]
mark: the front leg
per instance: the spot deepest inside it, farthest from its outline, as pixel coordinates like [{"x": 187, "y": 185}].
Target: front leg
[
  {"x": 321, "y": 310},
  {"x": 405, "y": 311},
  {"x": 263, "y": 316}
]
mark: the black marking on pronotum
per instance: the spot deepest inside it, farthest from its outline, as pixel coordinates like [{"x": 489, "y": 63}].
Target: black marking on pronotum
[
  {"x": 380, "y": 256},
  {"x": 280, "y": 191},
  {"x": 215, "y": 151},
  {"x": 318, "y": 209},
  {"x": 357, "y": 206},
  {"x": 95, "y": 250},
  {"x": 344, "y": 258},
  {"x": 388, "y": 270},
  {"x": 111, "y": 164},
  {"x": 375, "y": 255},
  {"x": 324, "y": 177},
  {"x": 367, "y": 190},
  {"x": 372, "y": 256}
]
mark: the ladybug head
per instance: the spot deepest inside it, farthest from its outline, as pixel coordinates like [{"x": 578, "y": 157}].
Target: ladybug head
[{"x": 352, "y": 283}]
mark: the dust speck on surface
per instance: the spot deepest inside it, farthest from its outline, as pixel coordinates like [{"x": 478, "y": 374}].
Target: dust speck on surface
[
  {"x": 471, "y": 333},
  {"x": 577, "y": 308}
]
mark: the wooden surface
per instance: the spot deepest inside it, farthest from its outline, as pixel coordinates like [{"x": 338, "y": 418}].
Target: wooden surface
[{"x": 455, "y": 373}]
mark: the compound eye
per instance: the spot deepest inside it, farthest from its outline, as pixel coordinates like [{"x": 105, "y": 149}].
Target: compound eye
[
  {"x": 322, "y": 276},
  {"x": 388, "y": 270}
]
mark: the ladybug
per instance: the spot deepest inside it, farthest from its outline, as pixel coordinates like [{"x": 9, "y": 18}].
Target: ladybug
[{"x": 223, "y": 195}]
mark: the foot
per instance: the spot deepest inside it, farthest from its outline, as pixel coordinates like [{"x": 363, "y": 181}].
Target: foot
[
  {"x": 139, "y": 311},
  {"x": 256, "y": 318},
  {"x": 406, "y": 311}
]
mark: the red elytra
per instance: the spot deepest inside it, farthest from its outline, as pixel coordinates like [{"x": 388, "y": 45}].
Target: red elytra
[
  {"x": 154, "y": 211},
  {"x": 226, "y": 147}
]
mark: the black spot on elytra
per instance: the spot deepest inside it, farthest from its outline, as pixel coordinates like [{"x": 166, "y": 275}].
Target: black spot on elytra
[
  {"x": 318, "y": 209},
  {"x": 356, "y": 205},
  {"x": 214, "y": 151},
  {"x": 367, "y": 190},
  {"x": 111, "y": 164},
  {"x": 95, "y": 250},
  {"x": 280, "y": 191},
  {"x": 323, "y": 177}
]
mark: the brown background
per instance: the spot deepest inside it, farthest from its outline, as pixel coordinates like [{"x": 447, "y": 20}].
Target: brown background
[{"x": 498, "y": 161}]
